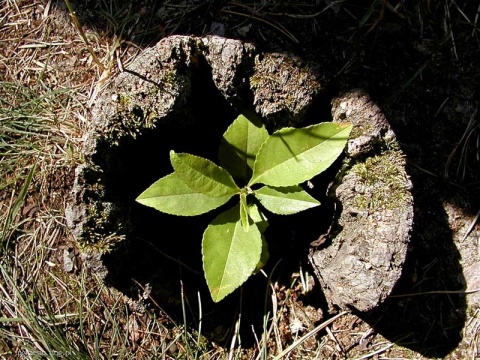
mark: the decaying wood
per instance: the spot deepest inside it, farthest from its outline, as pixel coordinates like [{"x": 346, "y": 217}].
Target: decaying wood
[{"x": 363, "y": 256}]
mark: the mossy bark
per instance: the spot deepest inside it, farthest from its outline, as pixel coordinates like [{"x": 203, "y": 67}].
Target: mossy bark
[{"x": 361, "y": 259}]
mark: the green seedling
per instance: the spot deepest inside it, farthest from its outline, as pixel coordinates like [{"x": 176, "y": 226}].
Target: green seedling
[{"x": 270, "y": 169}]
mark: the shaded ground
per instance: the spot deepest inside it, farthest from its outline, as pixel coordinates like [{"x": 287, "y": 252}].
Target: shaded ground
[{"x": 418, "y": 61}]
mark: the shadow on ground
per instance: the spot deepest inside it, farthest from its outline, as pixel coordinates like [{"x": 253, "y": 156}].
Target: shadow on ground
[
  {"x": 418, "y": 315},
  {"x": 421, "y": 314}
]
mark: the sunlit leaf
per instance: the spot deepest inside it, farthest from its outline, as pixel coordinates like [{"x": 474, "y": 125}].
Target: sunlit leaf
[
  {"x": 291, "y": 156},
  {"x": 258, "y": 217},
  {"x": 170, "y": 195},
  {"x": 261, "y": 221},
  {"x": 240, "y": 145},
  {"x": 244, "y": 218},
  {"x": 264, "y": 257},
  {"x": 230, "y": 254},
  {"x": 285, "y": 200},
  {"x": 202, "y": 175}
]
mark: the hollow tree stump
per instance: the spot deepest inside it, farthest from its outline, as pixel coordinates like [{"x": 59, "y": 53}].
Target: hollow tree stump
[{"x": 359, "y": 264}]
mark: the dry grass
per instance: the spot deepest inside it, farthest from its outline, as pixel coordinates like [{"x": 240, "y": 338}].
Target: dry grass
[
  {"x": 50, "y": 75},
  {"x": 48, "y": 83}
]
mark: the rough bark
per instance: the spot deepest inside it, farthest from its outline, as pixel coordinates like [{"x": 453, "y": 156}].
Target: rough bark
[{"x": 361, "y": 259}]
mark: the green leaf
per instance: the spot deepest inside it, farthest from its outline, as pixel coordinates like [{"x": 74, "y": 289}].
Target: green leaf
[
  {"x": 263, "y": 257},
  {"x": 244, "y": 219},
  {"x": 240, "y": 145},
  {"x": 285, "y": 200},
  {"x": 291, "y": 156},
  {"x": 258, "y": 217},
  {"x": 230, "y": 254},
  {"x": 202, "y": 175},
  {"x": 170, "y": 195},
  {"x": 262, "y": 223}
]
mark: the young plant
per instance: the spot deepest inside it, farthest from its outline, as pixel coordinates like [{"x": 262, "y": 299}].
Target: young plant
[{"x": 233, "y": 246}]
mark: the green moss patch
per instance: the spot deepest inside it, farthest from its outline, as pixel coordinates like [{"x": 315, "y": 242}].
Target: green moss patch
[{"x": 382, "y": 183}]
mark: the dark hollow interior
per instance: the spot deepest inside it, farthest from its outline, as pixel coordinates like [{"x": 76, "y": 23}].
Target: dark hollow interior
[{"x": 164, "y": 251}]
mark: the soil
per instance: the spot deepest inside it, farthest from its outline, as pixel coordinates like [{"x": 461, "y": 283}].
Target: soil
[{"x": 419, "y": 63}]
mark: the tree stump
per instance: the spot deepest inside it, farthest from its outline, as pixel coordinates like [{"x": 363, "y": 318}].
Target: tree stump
[
  {"x": 156, "y": 89},
  {"x": 360, "y": 260},
  {"x": 151, "y": 103}
]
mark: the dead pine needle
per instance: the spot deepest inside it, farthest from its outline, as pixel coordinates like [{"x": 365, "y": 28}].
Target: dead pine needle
[
  {"x": 308, "y": 335},
  {"x": 472, "y": 225},
  {"x": 438, "y": 292},
  {"x": 337, "y": 343},
  {"x": 75, "y": 20},
  {"x": 376, "y": 352}
]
